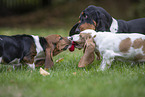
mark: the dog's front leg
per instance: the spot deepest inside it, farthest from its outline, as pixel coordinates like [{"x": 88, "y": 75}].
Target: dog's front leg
[
  {"x": 108, "y": 57},
  {"x": 106, "y": 62},
  {"x": 103, "y": 64}
]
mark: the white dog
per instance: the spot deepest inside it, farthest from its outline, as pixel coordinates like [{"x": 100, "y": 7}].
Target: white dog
[{"x": 129, "y": 47}]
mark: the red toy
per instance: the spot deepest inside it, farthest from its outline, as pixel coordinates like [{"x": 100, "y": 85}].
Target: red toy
[{"x": 72, "y": 48}]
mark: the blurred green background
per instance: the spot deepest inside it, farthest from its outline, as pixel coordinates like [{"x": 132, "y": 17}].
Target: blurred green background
[{"x": 62, "y": 13}]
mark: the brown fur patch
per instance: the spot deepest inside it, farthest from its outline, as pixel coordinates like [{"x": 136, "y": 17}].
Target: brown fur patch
[
  {"x": 39, "y": 62},
  {"x": 82, "y": 39},
  {"x": 29, "y": 58},
  {"x": 86, "y": 26},
  {"x": 63, "y": 43},
  {"x": 56, "y": 45},
  {"x": 88, "y": 56},
  {"x": 138, "y": 43},
  {"x": 125, "y": 45},
  {"x": 143, "y": 46},
  {"x": 139, "y": 57}
]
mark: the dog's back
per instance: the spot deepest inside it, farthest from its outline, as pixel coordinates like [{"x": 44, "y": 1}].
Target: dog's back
[
  {"x": 12, "y": 47},
  {"x": 123, "y": 46}
]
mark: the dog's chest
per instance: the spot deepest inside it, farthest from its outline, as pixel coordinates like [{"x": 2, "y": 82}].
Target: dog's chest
[{"x": 37, "y": 43}]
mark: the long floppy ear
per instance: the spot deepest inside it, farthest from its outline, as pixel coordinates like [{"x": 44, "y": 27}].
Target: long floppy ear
[
  {"x": 103, "y": 21},
  {"x": 51, "y": 40},
  {"x": 74, "y": 29},
  {"x": 49, "y": 56},
  {"x": 89, "y": 55}
]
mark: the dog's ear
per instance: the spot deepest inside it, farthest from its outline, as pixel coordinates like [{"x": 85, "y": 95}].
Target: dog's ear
[
  {"x": 104, "y": 20},
  {"x": 101, "y": 21},
  {"x": 49, "y": 56},
  {"x": 88, "y": 56},
  {"x": 51, "y": 40},
  {"x": 74, "y": 30}
]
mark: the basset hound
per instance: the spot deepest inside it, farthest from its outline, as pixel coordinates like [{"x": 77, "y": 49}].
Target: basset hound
[
  {"x": 97, "y": 18},
  {"x": 112, "y": 46},
  {"x": 30, "y": 49}
]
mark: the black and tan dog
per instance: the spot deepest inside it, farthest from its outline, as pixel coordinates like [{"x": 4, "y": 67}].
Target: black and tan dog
[
  {"x": 99, "y": 19},
  {"x": 19, "y": 49}
]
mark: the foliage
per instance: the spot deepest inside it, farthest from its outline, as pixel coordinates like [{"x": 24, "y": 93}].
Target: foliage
[{"x": 141, "y": 8}]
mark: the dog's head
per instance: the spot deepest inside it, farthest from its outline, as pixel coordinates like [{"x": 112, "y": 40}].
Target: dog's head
[
  {"x": 56, "y": 44},
  {"x": 80, "y": 39},
  {"x": 86, "y": 41},
  {"x": 92, "y": 17}
]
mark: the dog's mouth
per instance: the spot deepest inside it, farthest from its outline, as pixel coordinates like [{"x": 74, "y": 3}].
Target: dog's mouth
[
  {"x": 72, "y": 47},
  {"x": 75, "y": 45}
]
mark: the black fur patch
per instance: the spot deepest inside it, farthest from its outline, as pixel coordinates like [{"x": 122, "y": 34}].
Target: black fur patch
[
  {"x": 16, "y": 46},
  {"x": 43, "y": 43}
]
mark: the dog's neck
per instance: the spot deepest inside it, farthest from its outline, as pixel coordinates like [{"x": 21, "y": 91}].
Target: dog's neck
[
  {"x": 114, "y": 26},
  {"x": 39, "y": 43},
  {"x": 100, "y": 37}
]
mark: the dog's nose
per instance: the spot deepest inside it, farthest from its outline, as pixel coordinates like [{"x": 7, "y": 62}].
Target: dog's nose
[{"x": 70, "y": 38}]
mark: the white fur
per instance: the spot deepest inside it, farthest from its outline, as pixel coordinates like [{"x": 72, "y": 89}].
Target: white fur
[
  {"x": 114, "y": 26},
  {"x": 40, "y": 52},
  {"x": 75, "y": 37},
  {"x": 31, "y": 66},
  {"x": 108, "y": 45},
  {"x": 37, "y": 43}
]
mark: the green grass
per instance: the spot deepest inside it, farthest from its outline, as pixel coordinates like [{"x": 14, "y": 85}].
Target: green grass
[{"x": 121, "y": 80}]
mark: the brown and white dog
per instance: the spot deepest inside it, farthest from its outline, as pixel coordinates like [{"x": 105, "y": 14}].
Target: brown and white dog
[
  {"x": 129, "y": 47},
  {"x": 30, "y": 49}
]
